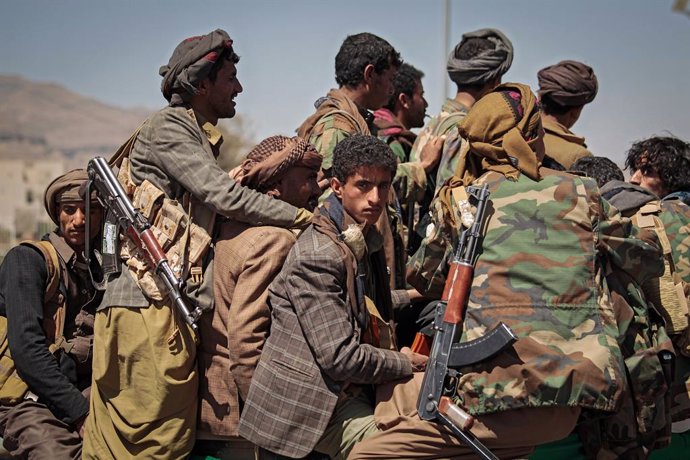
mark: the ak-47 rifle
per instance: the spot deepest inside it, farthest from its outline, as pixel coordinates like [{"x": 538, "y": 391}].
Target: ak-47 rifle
[
  {"x": 121, "y": 215},
  {"x": 447, "y": 355}
]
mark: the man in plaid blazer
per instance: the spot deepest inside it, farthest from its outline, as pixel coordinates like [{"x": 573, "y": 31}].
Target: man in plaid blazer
[{"x": 312, "y": 389}]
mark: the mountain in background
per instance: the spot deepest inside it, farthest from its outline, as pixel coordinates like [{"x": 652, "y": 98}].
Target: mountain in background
[
  {"x": 45, "y": 120},
  {"x": 39, "y": 120}
]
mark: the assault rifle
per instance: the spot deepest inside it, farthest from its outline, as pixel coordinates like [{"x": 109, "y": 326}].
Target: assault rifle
[
  {"x": 121, "y": 215},
  {"x": 447, "y": 355}
]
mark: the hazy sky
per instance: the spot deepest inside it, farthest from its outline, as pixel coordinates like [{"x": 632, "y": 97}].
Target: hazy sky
[{"x": 111, "y": 51}]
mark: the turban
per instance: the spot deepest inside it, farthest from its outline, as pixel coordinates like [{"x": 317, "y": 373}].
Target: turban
[
  {"x": 568, "y": 83},
  {"x": 64, "y": 189},
  {"x": 190, "y": 63},
  {"x": 269, "y": 161},
  {"x": 504, "y": 134},
  {"x": 485, "y": 66}
]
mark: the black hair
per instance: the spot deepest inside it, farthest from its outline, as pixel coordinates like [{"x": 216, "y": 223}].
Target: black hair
[
  {"x": 549, "y": 107},
  {"x": 668, "y": 157},
  {"x": 601, "y": 169},
  {"x": 405, "y": 82},
  {"x": 227, "y": 55},
  {"x": 361, "y": 150},
  {"x": 360, "y": 50}
]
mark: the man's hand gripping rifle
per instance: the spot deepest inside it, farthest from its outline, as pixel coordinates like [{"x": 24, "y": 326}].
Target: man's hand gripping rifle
[
  {"x": 447, "y": 355},
  {"x": 120, "y": 211}
]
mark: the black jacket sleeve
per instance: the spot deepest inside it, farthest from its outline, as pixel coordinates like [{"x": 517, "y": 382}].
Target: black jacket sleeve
[{"x": 23, "y": 278}]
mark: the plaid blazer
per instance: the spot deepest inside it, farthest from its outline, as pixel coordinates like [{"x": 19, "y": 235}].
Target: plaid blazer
[
  {"x": 312, "y": 351},
  {"x": 232, "y": 336}
]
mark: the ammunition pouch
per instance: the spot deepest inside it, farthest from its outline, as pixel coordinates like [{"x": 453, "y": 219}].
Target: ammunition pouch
[{"x": 185, "y": 243}]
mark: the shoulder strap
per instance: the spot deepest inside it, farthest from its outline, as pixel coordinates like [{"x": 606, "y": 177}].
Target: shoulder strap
[
  {"x": 126, "y": 148},
  {"x": 451, "y": 120},
  {"x": 54, "y": 268}
]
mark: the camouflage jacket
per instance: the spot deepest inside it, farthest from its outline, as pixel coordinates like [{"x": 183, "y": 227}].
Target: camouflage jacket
[
  {"x": 400, "y": 140},
  {"x": 336, "y": 118},
  {"x": 446, "y": 123},
  {"x": 562, "y": 145},
  {"x": 540, "y": 271},
  {"x": 675, "y": 216}
]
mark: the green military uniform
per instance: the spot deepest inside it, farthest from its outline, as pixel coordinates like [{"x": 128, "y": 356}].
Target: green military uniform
[
  {"x": 444, "y": 123},
  {"x": 563, "y": 145}
]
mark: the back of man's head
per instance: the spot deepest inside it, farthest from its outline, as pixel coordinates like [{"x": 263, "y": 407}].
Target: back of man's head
[
  {"x": 566, "y": 85},
  {"x": 360, "y": 50},
  {"x": 405, "y": 82},
  {"x": 668, "y": 158},
  {"x": 601, "y": 169},
  {"x": 360, "y": 151},
  {"x": 480, "y": 58}
]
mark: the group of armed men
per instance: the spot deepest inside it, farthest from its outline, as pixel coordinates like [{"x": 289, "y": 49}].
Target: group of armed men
[{"x": 315, "y": 258}]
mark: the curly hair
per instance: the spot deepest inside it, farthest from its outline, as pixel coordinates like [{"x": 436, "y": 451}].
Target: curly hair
[
  {"x": 361, "y": 150},
  {"x": 601, "y": 169},
  {"x": 360, "y": 50},
  {"x": 404, "y": 82},
  {"x": 668, "y": 157}
]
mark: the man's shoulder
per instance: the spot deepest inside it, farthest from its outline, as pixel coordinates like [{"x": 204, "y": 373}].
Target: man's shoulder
[
  {"x": 315, "y": 245},
  {"x": 172, "y": 114}
]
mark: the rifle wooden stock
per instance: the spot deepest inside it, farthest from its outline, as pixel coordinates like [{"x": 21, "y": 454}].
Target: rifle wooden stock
[{"x": 457, "y": 291}]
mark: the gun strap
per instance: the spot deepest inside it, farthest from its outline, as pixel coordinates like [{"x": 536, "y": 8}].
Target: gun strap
[{"x": 126, "y": 148}]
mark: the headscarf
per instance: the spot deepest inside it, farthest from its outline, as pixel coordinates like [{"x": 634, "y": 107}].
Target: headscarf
[
  {"x": 487, "y": 65},
  {"x": 190, "y": 63},
  {"x": 270, "y": 160},
  {"x": 568, "y": 83},
  {"x": 504, "y": 134},
  {"x": 65, "y": 188}
]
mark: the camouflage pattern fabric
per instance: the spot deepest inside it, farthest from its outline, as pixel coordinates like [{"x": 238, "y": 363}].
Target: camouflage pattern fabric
[
  {"x": 675, "y": 216},
  {"x": 541, "y": 272},
  {"x": 446, "y": 122},
  {"x": 410, "y": 178}
]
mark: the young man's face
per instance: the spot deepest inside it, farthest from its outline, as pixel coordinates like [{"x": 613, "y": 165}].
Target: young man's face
[
  {"x": 646, "y": 177},
  {"x": 365, "y": 193},
  {"x": 72, "y": 219},
  {"x": 300, "y": 188},
  {"x": 222, "y": 92},
  {"x": 417, "y": 107}
]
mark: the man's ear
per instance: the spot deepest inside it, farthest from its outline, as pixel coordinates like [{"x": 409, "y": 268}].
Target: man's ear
[
  {"x": 369, "y": 73},
  {"x": 337, "y": 187},
  {"x": 204, "y": 86},
  {"x": 404, "y": 100}
]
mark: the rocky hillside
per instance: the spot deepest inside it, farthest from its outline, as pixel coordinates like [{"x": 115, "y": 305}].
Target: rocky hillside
[{"x": 44, "y": 119}]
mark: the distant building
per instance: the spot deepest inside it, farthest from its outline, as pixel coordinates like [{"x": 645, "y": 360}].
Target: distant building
[{"x": 22, "y": 215}]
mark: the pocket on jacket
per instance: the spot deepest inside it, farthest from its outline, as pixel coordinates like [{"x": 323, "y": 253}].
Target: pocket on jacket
[{"x": 295, "y": 367}]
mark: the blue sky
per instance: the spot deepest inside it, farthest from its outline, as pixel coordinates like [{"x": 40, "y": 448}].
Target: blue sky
[{"x": 111, "y": 51}]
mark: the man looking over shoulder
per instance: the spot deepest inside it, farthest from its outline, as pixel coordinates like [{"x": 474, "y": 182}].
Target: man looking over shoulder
[
  {"x": 47, "y": 303},
  {"x": 312, "y": 389},
  {"x": 247, "y": 260}
]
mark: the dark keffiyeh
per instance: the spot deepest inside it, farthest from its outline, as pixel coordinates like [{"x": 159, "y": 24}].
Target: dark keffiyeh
[
  {"x": 190, "y": 63},
  {"x": 568, "y": 83}
]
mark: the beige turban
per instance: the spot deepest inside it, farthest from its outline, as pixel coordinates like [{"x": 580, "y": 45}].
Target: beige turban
[{"x": 64, "y": 189}]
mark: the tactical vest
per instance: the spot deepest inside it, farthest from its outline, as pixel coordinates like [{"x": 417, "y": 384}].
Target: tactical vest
[
  {"x": 184, "y": 242},
  {"x": 12, "y": 388}
]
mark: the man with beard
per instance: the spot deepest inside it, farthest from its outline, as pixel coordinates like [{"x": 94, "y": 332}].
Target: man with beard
[
  {"x": 47, "y": 303},
  {"x": 564, "y": 89},
  {"x": 247, "y": 260},
  {"x": 138, "y": 408}
]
